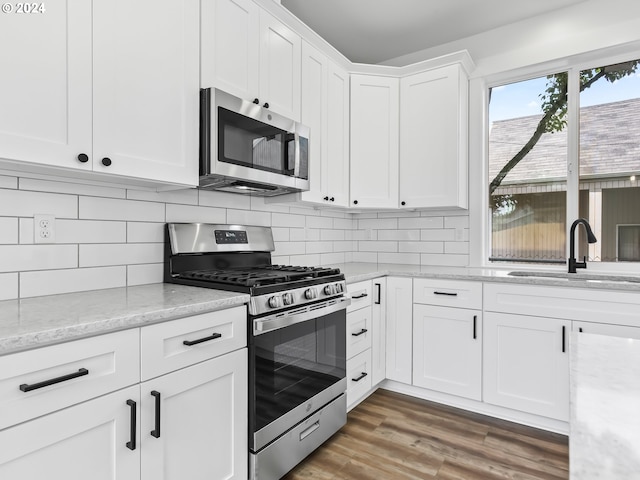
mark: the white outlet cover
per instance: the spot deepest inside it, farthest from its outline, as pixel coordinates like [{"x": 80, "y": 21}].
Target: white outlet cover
[{"x": 44, "y": 228}]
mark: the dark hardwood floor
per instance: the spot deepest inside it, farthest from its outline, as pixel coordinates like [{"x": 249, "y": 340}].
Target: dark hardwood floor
[{"x": 394, "y": 436}]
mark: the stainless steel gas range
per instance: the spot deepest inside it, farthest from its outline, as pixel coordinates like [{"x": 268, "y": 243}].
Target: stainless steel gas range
[{"x": 296, "y": 336}]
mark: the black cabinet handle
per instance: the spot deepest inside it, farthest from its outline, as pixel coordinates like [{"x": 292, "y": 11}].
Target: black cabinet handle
[
  {"x": 362, "y": 375},
  {"x": 362, "y": 295},
  {"x": 326, "y": 199},
  {"x": 475, "y": 321},
  {"x": 449, "y": 294},
  {"x": 83, "y": 158},
  {"x": 332, "y": 199},
  {"x": 52, "y": 381},
  {"x": 377, "y": 302},
  {"x": 355, "y": 202},
  {"x": 131, "y": 445},
  {"x": 361, "y": 332},
  {"x": 403, "y": 203},
  {"x": 580, "y": 329},
  {"x": 156, "y": 431},
  {"x": 266, "y": 105},
  {"x": 256, "y": 101},
  {"x": 189, "y": 343},
  {"x": 564, "y": 334},
  {"x": 106, "y": 161}
]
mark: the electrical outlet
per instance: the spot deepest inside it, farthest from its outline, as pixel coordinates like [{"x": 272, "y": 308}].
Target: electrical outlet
[{"x": 44, "y": 228}]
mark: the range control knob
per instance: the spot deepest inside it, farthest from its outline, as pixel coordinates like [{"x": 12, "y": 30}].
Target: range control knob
[
  {"x": 287, "y": 298},
  {"x": 330, "y": 290},
  {"x": 339, "y": 288},
  {"x": 310, "y": 293},
  {"x": 275, "y": 302}
]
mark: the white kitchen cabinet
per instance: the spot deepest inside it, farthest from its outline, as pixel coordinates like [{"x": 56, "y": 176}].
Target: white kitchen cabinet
[
  {"x": 379, "y": 336},
  {"x": 88, "y": 440},
  {"x": 526, "y": 363},
  {"x": 359, "y": 331},
  {"x": 623, "y": 331},
  {"x": 124, "y": 105},
  {"x": 249, "y": 53},
  {"x": 433, "y": 139},
  {"x": 358, "y": 378},
  {"x": 374, "y": 141},
  {"x": 447, "y": 350},
  {"x": 359, "y": 335},
  {"x": 337, "y": 146},
  {"x": 399, "y": 329},
  {"x": 194, "y": 421}
]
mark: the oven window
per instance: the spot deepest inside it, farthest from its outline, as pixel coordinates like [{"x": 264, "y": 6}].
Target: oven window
[{"x": 293, "y": 364}]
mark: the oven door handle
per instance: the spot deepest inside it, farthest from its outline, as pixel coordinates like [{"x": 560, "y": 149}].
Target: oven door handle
[{"x": 299, "y": 315}]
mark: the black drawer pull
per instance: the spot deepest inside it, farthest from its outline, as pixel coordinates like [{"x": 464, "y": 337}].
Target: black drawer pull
[
  {"x": 475, "y": 321},
  {"x": 449, "y": 294},
  {"x": 131, "y": 445},
  {"x": 156, "y": 431},
  {"x": 362, "y": 375},
  {"x": 377, "y": 302},
  {"x": 189, "y": 343},
  {"x": 564, "y": 334},
  {"x": 34, "y": 386},
  {"x": 361, "y": 332},
  {"x": 362, "y": 295}
]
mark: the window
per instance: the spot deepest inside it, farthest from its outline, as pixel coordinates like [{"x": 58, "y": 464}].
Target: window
[{"x": 535, "y": 191}]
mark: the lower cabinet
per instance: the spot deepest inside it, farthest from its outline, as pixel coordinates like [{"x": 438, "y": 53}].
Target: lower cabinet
[
  {"x": 399, "y": 333},
  {"x": 359, "y": 336},
  {"x": 526, "y": 364},
  {"x": 379, "y": 336},
  {"x": 447, "y": 350},
  {"x": 623, "y": 331},
  {"x": 94, "y": 440},
  {"x": 358, "y": 377}
]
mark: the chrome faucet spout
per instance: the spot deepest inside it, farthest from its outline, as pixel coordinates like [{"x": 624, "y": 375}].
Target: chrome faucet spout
[{"x": 591, "y": 238}]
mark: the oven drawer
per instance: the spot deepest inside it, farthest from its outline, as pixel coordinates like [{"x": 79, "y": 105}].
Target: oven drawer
[
  {"x": 358, "y": 376},
  {"x": 43, "y": 380},
  {"x": 358, "y": 331},
  {"x": 360, "y": 294},
  {"x": 179, "y": 343}
]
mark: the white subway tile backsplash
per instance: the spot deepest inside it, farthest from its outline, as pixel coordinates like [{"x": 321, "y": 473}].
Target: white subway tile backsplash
[
  {"x": 280, "y": 234},
  {"x": 331, "y": 234},
  {"x": 90, "y": 231},
  {"x": 366, "y": 257},
  {"x": 71, "y": 188},
  {"x": 18, "y": 203},
  {"x": 248, "y": 217},
  {"x": 287, "y": 220},
  {"x": 8, "y": 230},
  {"x": 101, "y": 255},
  {"x": 19, "y": 258},
  {"x": 456, "y": 247},
  {"x": 297, "y": 234},
  {"x": 402, "y": 258},
  {"x": 421, "y": 247},
  {"x": 444, "y": 260},
  {"x": 378, "y": 223},
  {"x": 346, "y": 246},
  {"x": 377, "y": 246},
  {"x": 95, "y": 208},
  {"x": 344, "y": 223},
  {"x": 399, "y": 235},
  {"x": 145, "y": 232},
  {"x": 144, "y": 274},
  {"x": 327, "y": 259},
  {"x": 52, "y": 282},
  {"x": 290, "y": 248},
  {"x": 297, "y": 210},
  {"x": 191, "y": 213},
  {"x": 8, "y": 182},
  {"x": 421, "y": 222},
  {"x": 185, "y": 196},
  {"x": 280, "y": 260},
  {"x": 8, "y": 286},
  {"x": 333, "y": 214},
  {"x": 267, "y": 204},
  {"x": 224, "y": 200},
  {"x": 308, "y": 259},
  {"x": 441, "y": 235},
  {"x": 456, "y": 222},
  {"x": 403, "y": 214},
  {"x": 320, "y": 222},
  {"x": 319, "y": 247}
]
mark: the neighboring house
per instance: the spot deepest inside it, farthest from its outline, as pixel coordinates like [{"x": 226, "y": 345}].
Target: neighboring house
[{"x": 530, "y": 225}]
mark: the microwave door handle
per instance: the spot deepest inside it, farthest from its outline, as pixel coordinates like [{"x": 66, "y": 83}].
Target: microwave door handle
[{"x": 296, "y": 156}]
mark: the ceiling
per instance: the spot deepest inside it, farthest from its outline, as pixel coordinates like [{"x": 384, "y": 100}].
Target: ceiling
[{"x": 373, "y": 31}]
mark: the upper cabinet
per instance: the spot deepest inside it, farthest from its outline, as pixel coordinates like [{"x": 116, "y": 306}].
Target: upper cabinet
[
  {"x": 374, "y": 141},
  {"x": 90, "y": 100},
  {"x": 249, "y": 53},
  {"x": 325, "y": 110},
  {"x": 433, "y": 139}
]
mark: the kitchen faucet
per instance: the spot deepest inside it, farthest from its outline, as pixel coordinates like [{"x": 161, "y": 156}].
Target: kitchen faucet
[{"x": 591, "y": 238}]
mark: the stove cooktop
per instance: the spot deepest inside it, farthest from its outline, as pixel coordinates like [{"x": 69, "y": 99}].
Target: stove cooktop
[{"x": 259, "y": 276}]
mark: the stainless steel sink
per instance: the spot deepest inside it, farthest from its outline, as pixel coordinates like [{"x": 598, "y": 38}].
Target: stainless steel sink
[{"x": 582, "y": 277}]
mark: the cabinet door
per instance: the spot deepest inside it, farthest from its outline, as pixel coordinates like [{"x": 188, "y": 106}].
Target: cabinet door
[
  {"x": 359, "y": 331},
  {"x": 399, "y": 329},
  {"x": 145, "y": 98},
  {"x": 197, "y": 427},
  {"x": 45, "y": 86},
  {"x": 379, "y": 335},
  {"x": 374, "y": 141},
  {"x": 337, "y": 146},
  {"x": 358, "y": 377},
  {"x": 280, "y": 57},
  {"x": 230, "y": 46},
  {"x": 526, "y": 364},
  {"x": 433, "y": 139},
  {"x": 86, "y": 441},
  {"x": 314, "y": 115},
  {"x": 447, "y": 350}
]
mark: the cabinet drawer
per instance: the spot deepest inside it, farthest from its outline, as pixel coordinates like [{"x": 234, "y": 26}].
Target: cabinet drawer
[
  {"x": 358, "y": 376},
  {"x": 609, "y": 330},
  {"x": 358, "y": 331},
  {"x": 448, "y": 293},
  {"x": 179, "y": 343},
  {"x": 360, "y": 295},
  {"x": 43, "y": 380}
]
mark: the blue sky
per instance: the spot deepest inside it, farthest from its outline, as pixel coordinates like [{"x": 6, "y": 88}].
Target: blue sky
[{"x": 522, "y": 99}]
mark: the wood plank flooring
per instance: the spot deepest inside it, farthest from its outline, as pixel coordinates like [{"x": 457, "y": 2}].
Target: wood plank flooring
[{"x": 394, "y": 436}]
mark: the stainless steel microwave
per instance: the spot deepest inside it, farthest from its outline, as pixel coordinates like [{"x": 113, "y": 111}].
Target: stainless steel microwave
[{"x": 246, "y": 148}]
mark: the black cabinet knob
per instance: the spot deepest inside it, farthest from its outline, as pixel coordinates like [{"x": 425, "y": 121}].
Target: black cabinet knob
[
  {"x": 106, "y": 161},
  {"x": 403, "y": 203},
  {"x": 256, "y": 101},
  {"x": 83, "y": 158},
  {"x": 355, "y": 202},
  {"x": 332, "y": 199},
  {"x": 326, "y": 199},
  {"x": 266, "y": 105}
]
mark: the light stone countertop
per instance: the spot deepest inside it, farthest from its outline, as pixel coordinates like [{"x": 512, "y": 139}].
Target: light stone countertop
[
  {"x": 605, "y": 408},
  {"x": 39, "y": 321}
]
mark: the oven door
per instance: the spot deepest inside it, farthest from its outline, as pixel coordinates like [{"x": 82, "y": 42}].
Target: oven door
[{"x": 297, "y": 364}]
